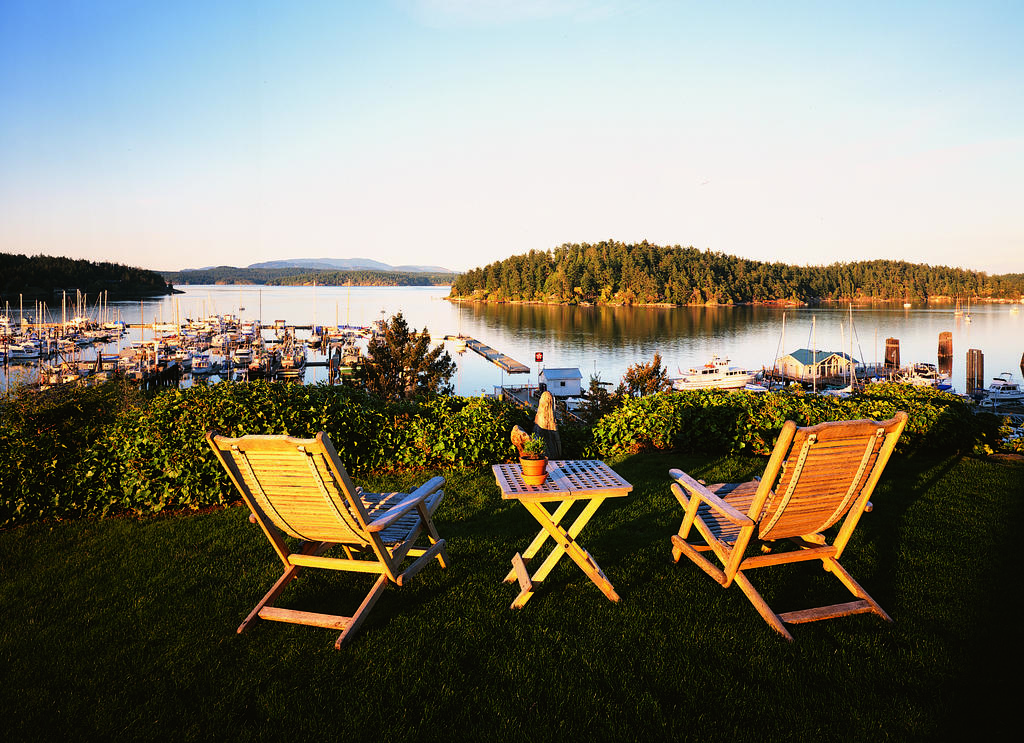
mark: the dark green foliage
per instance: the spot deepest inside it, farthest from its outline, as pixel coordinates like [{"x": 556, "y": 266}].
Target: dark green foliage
[
  {"x": 46, "y": 275},
  {"x": 643, "y": 274},
  {"x": 109, "y": 449},
  {"x": 49, "y": 458},
  {"x": 599, "y": 401},
  {"x": 718, "y": 421},
  {"x": 305, "y": 277},
  {"x": 105, "y": 449},
  {"x": 401, "y": 364}
]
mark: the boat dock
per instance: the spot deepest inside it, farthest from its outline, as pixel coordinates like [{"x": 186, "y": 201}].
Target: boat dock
[{"x": 507, "y": 363}]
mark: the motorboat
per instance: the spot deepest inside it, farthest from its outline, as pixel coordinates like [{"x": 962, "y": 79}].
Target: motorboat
[
  {"x": 28, "y": 350},
  {"x": 203, "y": 363},
  {"x": 1003, "y": 389},
  {"x": 241, "y": 357},
  {"x": 716, "y": 374},
  {"x": 293, "y": 360},
  {"x": 925, "y": 375}
]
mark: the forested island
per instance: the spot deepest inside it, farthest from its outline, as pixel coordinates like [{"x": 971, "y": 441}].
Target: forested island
[
  {"x": 306, "y": 277},
  {"x": 619, "y": 273},
  {"x": 43, "y": 276}
]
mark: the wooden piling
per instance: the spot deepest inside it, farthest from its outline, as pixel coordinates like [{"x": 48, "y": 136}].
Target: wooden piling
[
  {"x": 892, "y": 354},
  {"x": 975, "y": 370},
  {"x": 945, "y": 352}
]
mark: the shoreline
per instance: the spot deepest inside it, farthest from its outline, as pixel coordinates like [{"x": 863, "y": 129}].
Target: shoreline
[{"x": 784, "y": 303}]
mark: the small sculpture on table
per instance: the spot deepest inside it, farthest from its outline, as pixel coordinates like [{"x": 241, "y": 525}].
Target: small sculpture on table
[{"x": 545, "y": 426}]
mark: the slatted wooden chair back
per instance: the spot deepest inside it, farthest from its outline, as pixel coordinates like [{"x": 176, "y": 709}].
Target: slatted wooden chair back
[
  {"x": 297, "y": 484},
  {"x": 826, "y": 470}
]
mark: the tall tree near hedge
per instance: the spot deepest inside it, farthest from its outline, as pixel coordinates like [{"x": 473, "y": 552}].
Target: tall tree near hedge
[{"x": 402, "y": 364}]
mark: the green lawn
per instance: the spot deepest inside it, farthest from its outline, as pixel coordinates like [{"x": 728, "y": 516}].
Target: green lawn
[{"x": 124, "y": 629}]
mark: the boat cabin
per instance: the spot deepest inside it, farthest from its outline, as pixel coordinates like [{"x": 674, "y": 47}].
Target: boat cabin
[
  {"x": 562, "y": 382},
  {"x": 805, "y": 365}
]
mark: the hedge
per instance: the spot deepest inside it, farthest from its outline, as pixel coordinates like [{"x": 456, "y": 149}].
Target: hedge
[{"x": 111, "y": 449}]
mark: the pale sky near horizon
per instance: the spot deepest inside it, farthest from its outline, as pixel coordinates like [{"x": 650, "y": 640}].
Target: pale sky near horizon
[{"x": 459, "y": 132}]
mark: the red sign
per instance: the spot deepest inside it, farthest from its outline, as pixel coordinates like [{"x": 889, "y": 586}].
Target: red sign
[{"x": 538, "y": 357}]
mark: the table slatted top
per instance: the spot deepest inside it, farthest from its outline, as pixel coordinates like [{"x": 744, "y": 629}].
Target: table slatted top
[{"x": 567, "y": 478}]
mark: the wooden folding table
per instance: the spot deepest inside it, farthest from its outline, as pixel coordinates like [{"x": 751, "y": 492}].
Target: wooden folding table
[{"x": 568, "y": 481}]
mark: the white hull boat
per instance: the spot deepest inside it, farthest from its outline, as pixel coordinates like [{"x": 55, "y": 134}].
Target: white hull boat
[
  {"x": 1003, "y": 390},
  {"x": 716, "y": 374}
]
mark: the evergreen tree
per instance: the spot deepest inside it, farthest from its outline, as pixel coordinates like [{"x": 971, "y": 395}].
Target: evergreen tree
[{"x": 402, "y": 365}]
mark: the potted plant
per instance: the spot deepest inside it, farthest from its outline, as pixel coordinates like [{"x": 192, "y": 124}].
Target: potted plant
[{"x": 533, "y": 459}]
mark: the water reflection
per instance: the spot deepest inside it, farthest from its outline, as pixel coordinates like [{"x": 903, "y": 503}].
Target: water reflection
[{"x": 607, "y": 340}]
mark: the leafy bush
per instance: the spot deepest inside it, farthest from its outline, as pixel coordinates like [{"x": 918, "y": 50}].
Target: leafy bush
[
  {"x": 108, "y": 449},
  {"x": 723, "y": 422}
]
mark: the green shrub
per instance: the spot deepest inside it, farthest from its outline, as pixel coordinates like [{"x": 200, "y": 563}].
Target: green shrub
[
  {"x": 107, "y": 449},
  {"x": 715, "y": 421}
]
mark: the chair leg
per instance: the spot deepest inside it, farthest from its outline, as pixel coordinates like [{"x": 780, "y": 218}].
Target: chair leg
[
  {"x": 276, "y": 590},
  {"x": 832, "y": 565},
  {"x": 761, "y": 605},
  {"x": 434, "y": 537},
  {"x": 682, "y": 547},
  {"x": 360, "y": 613}
]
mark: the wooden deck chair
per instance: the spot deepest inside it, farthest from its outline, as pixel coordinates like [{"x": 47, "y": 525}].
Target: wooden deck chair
[
  {"x": 298, "y": 488},
  {"x": 816, "y": 477}
]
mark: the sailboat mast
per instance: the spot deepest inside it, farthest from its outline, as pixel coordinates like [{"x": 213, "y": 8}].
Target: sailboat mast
[
  {"x": 814, "y": 356},
  {"x": 853, "y": 373},
  {"x": 842, "y": 336}
]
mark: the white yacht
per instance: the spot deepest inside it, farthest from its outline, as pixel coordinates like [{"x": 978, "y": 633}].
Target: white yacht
[
  {"x": 715, "y": 374},
  {"x": 1003, "y": 389}
]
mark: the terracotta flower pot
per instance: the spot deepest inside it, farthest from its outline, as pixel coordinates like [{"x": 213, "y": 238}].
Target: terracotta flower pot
[{"x": 534, "y": 470}]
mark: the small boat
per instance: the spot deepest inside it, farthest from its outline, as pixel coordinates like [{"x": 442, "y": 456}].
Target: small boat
[
  {"x": 716, "y": 374},
  {"x": 263, "y": 366},
  {"x": 29, "y": 350},
  {"x": 203, "y": 364},
  {"x": 293, "y": 361},
  {"x": 241, "y": 357},
  {"x": 925, "y": 375},
  {"x": 1003, "y": 389},
  {"x": 183, "y": 357}
]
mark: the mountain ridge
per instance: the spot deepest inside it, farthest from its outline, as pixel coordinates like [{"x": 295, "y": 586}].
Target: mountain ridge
[{"x": 345, "y": 264}]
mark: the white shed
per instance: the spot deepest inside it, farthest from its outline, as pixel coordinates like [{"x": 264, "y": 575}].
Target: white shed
[{"x": 562, "y": 382}]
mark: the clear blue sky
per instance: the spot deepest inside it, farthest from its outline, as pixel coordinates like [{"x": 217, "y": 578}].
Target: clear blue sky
[{"x": 458, "y": 132}]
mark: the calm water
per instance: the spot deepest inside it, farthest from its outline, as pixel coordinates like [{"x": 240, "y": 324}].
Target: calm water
[{"x": 607, "y": 340}]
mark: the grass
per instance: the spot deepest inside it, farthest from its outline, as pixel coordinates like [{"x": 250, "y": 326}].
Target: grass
[{"x": 125, "y": 629}]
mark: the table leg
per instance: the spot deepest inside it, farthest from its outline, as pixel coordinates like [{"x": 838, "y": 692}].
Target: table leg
[
  {"x": 566, "y": 545},
  {"x": 542, "y": 536}
]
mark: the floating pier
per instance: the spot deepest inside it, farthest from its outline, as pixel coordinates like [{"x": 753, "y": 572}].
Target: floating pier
[{"x": 495, "y": 357}]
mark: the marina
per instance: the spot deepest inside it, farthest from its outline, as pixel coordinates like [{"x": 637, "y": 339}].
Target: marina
[{"x": 598, "y": 341}]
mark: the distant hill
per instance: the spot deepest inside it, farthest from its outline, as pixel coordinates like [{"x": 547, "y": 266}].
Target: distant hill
[
  {"x": 305, "y": 276},
  {"x": 347, "y": 264}
]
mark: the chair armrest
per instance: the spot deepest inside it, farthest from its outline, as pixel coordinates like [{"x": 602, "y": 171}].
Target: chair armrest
[
  {"x": 405, "y": 505},
  {"x": 700, "y": 491}
]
